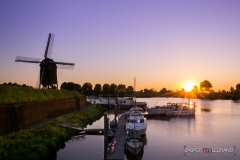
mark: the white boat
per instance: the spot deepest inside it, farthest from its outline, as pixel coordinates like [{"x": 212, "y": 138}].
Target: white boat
[
  {"x": 136, "y": 109},
  {"x": 128, "y": 102},
  {"x": 182, "y": 109},
  {"x": 134, "y": 144},
  {"x": 161, "y": 110},
  {"x": 133, "y": 109},
  {"x": 136, "y": 124},
  {"x": 124, "y": 103}
]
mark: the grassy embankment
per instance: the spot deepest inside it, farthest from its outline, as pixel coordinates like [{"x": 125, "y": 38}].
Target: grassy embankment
[
  {"x": 16, "y": 94},
  {"x": 39, "y": 143}
]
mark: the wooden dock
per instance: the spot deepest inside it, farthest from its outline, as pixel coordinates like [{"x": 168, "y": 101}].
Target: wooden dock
[
  {"x": 97, "y": 131},
  {"x": 120, "y": 136}
]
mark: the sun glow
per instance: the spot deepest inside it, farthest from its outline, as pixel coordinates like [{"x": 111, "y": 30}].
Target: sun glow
[{"x": 188, "y": 86}]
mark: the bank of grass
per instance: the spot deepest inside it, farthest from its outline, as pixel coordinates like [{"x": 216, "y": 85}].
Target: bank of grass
[
  {"x": 81, "y": 118},
  {"x": 17, "y": 94},
  {"x": 39, "y": 143}
]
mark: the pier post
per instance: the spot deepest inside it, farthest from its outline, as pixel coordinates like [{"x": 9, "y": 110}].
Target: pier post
[
  {"x": 115, "y": 114},
  {"x": 105, "y": 134}
]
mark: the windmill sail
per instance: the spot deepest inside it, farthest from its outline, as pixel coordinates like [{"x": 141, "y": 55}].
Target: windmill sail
[
  {"x": 61, "y": 66},
  {"x": 49, "y": 47},
  {"x": 27, "y": 59}
]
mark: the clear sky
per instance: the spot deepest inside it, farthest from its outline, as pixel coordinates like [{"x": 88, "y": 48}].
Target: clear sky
[{"x": 161, "y": 43}]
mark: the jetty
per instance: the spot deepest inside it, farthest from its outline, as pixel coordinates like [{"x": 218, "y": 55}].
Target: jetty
[{"x": 120, "y": 136}]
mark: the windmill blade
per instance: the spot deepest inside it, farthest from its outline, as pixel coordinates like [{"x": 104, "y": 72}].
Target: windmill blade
[
  {"x": 27, "y": 59},
  {"x": 63, "y": 63},
  {"x": 65, "y": 66},
  {"x": 49, "y": 47},
  {"x": 38, "y": 82}
]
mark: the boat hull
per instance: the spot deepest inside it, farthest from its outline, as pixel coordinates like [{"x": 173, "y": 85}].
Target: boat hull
[
  {"x": 134, "y": 147},
  {"x": 181, "y": 113},
  {"x": 140, "y": 132}
]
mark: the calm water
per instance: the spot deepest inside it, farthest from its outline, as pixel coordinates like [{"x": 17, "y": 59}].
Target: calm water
[{"x": 218, "y": 127}]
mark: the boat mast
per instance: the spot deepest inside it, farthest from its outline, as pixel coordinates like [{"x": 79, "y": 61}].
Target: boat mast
[{"x": 135, "y": 90}]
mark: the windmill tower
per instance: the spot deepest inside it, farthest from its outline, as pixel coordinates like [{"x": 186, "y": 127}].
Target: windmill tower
[{"x": 48, "y": 68}]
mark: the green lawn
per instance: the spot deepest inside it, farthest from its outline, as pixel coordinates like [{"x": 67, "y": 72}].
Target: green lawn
[
  {"x": 16, "y": 94},
  {"x": 39, "y": 143}
]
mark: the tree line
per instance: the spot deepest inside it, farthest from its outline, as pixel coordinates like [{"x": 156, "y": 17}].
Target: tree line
[{"x": 205, "y": 90}]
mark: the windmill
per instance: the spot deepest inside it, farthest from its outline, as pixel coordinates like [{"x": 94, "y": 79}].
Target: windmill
[{"x": 48, "y": 68}]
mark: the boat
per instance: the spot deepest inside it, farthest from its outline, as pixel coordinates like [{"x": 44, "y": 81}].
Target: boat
[
  {"x": 136, "y": 109},
  {"x": 129, "y": 102},
  {"x": 110, "y": 135},
  {"x": 113, "y": 123},
  {"x": 123, "y": 103},
  {"x": 133, "y": 109},
  {"x": 136, "y": 124},
  {"x": 161, "y": 110},
  {"x": 134, "y": 144},
  {"x": 182, "y": 109}
]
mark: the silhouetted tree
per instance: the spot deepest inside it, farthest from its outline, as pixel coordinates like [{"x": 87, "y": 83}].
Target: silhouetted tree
[
  {"x": 71, "y": 86},
  {"x": 97, "y": 89},
  {"x": 232, "y": 90},
  {"x": 238, "y": 87},
  {"x": 195, "y": 89},
  {"x": 163, "y": 91},
  {"x": 121, "y": 89},
  {"x": 113, "y": 88},
  {"x": 205, "y": 85},
  {"x": 87, "y": 88},
  {"x": 130, "y": 90},
  {"x": 106, "y": 89},
  {"x": 78, "y": 87}
]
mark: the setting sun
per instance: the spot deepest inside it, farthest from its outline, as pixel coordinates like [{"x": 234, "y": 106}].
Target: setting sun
[{"x": 188, "y": 86}]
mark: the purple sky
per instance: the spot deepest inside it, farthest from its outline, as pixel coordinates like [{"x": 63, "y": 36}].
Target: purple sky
[{"x": 161, "y": 43}]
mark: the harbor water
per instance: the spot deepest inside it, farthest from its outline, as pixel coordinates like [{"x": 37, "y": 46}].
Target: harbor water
[{"x": 213, "y": 133}]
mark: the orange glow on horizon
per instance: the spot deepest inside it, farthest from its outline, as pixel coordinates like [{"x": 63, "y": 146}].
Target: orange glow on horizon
[{"x": 188, "y": 86}]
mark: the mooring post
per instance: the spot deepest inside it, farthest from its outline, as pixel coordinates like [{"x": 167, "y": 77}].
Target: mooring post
[
  {"x": 115, "y": 114},
  {"x": 105, "y": 134}
]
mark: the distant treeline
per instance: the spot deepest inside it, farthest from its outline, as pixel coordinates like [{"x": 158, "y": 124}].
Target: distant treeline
[{"x": 204, "y": 92}]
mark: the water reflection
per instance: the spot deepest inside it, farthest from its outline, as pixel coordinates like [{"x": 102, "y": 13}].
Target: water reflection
[
  {"x": 206, "y": 110},
  {"x": 167, "y": 136}
]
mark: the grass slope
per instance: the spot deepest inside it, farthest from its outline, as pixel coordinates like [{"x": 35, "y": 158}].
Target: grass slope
[
  {"x": 42, "y": 142},
  {"x": 16, "y": 94}
]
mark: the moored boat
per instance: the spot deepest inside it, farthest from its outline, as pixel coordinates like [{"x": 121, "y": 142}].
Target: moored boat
[
  {"x": 161, "y": 110},
  {"x": 136, "y": 124},
  {"x": 134, "y": 144},
  {"x": 182, "y": 109}
]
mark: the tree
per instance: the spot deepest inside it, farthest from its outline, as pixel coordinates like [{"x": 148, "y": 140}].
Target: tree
[
  {"x": 205, "y": 85},
  {"x": 106, "y": 89},
  {"x": 78, "y": 87},
  {"x": 68, "y": 86},
  {"x": 130, "y": 90},
  {"x": 232, "y": 90},
  {"x": 71, "y": 86},
  {"x": 113, "y": 88},
  {"x": 121, "y": 89},
  {"x": 163, "y": 91},
  {"x": 97, "y": 89},
  {"x": 195, "y": 89},
  {"x": 238, "y": 87},
  {"x": 87, "y": 88}
]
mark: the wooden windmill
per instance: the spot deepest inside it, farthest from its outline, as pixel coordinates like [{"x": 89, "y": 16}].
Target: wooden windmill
[{"x": 48, "y": 68}]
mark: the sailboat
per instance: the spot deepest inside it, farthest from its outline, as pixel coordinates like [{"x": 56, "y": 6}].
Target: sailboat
[{"x": 134, "y": 142}]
